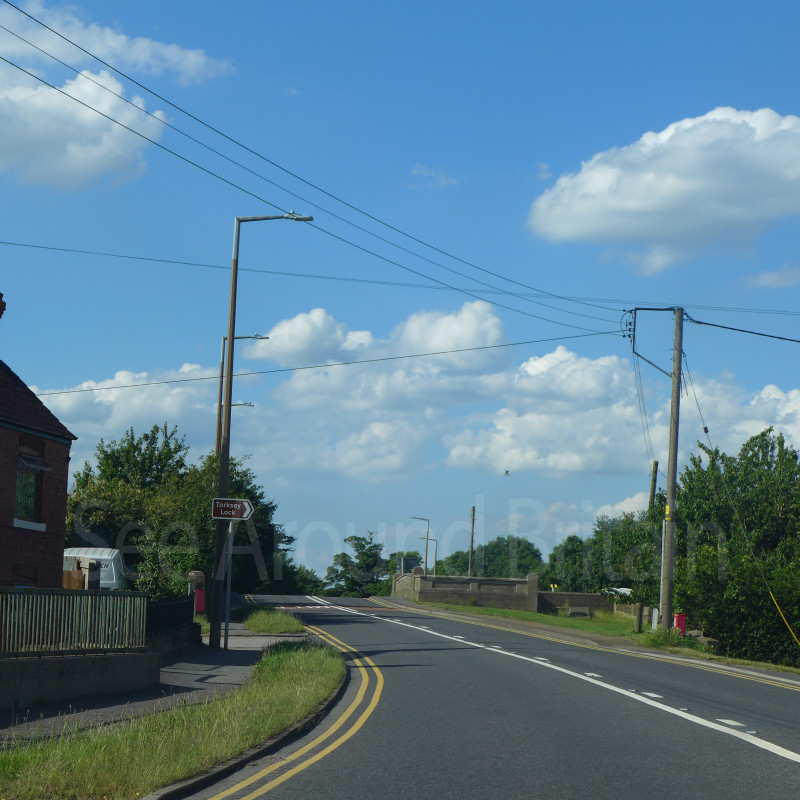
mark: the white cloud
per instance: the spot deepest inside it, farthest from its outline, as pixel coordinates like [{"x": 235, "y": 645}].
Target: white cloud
[
  {"x": 557, "y": 414},
  {"x": 309, "y": 338},
  {"x": 50, "y": 139},
  {"x": 433, "y": 178},
  {"x": 128, "y": 53},
  {"x": 722, "y": 176},
  {"x": 564, "y": 414},
  {"x": 776, "y": 279},
  {"x": 103, "y": 411},
  {"x": 630, "y": 505}
]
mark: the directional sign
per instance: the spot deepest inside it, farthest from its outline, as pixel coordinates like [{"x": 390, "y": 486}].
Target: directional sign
[{"x": 229, "y": 508}]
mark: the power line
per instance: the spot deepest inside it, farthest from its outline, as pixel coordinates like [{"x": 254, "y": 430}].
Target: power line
[
  {"x": 398, "y": 284},
  {"x": 295, "y": 176},
  {"x": 743, "y": 330},
  {"x": 305, "y": 200},
  {"x": 326, "y": 366},
  {"x": 278, "y": 208}
]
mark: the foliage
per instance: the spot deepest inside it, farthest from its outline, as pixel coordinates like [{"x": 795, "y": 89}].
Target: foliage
[
  {"x": 362, "y": 574},
  {"x": 622, "y": 552},
  {"x": 145, "y": 500},
  {"x": 503, "y": 557},
  {"x": 738, "y": 532},
  {"x": 393, "y": 561},
  {"x": 303, "y": 579}
]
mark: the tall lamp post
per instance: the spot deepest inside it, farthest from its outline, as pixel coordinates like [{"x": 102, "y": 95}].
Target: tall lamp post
[
  {"x": 222, "y": 382},
  {"x": 427, "y": 537},
  {"x": 225, "y": 439},
  {"x": 435, "y": 552}
]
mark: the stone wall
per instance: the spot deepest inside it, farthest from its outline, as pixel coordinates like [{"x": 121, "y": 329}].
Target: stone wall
[{"x": 521, "y": 594}]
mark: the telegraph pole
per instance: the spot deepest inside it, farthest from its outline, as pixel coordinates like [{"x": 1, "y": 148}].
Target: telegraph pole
[
  {"x": 668, "y": 538},
  {"x": 653, "y": 480}
]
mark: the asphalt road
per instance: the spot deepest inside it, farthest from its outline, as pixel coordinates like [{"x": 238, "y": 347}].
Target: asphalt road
[{"x": 442, "y": 708}]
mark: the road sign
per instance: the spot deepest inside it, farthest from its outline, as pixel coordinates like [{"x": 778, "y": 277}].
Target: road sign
[{"x": 230, "y": 508}]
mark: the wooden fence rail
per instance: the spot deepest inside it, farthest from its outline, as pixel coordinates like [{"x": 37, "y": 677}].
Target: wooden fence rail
[{"x": 64, "y": 621}]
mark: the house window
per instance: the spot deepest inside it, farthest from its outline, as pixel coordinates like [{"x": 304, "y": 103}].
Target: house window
[{"x": 29, "y": 486}]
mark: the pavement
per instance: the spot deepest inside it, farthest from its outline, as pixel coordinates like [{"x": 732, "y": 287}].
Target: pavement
[{"x": 194, "y": 676}]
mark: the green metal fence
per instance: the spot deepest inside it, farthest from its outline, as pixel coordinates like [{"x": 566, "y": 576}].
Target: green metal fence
[{"x": 63, "y": 621}]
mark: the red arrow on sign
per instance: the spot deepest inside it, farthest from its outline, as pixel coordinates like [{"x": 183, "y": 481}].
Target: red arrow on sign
[{"x": 230, "y": 508}]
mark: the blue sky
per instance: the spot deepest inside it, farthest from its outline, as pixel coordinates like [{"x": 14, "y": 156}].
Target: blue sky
[{"x": 540, "y": 167}]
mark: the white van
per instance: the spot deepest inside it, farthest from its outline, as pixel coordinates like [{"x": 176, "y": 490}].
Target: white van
[{"x": 112, "y": 568}]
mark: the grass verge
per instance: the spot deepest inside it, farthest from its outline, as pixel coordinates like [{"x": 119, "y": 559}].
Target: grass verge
[
  {"x": 620, "y": 625},
  {"x": 134, "y": 758},
  {"x": 269, "y": 620},
  {"x": 602, "y": 622}
]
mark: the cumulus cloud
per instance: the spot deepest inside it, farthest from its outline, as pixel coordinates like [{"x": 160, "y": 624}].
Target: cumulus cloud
[
  {"x": 724, "y": 175},
  {"x": 630, "y": 505},
  {"x": 557, "y": 414},
  {"x": 97, "y": 409},
  {"x": 563, "y": 414},
  {"x": 309, "y": 338},
  {"x": 49, "y": 138}
]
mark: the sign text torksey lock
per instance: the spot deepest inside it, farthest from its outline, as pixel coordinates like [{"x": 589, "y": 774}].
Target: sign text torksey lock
[{"x": 230, "y": 508}]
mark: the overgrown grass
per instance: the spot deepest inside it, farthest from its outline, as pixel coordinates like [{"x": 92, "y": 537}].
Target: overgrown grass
[
  {"x": 132, "y": 759},
  {"x": 602, "y": 622},
  {"x": 269, "y": 620},
  {"x": 671, "y": 639}
]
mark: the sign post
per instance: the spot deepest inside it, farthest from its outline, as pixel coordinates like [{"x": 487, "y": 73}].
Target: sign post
[{"x": 233, "y": 510}]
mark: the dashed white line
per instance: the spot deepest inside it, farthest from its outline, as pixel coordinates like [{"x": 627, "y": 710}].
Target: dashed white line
[{"x": 728, "y": 726}]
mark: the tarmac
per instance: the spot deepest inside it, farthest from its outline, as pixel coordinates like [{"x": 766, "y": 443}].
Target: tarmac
[{"x": 194, "y": 676}]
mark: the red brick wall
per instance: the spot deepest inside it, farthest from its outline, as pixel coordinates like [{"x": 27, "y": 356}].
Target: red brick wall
[{"x": 31, "y": 553}]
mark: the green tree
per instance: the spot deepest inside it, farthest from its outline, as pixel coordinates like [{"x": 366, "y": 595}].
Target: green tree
[
  {"x": 569, "y": 566},
  {"x": 456, "y": 563},
  {"x": 359, "y": 575},
  {"x": 737, "y": 538},
  {"x": 144, "y": 499},
  {"x": 393, "y": 560},
  {"x": 503, "y": 557}
]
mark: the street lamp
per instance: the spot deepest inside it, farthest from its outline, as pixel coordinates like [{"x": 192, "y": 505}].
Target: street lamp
[
  {"x": 221, "y": 382},
  {"x": 435, "y": 552},
  {"x": 427, "y": 532},
  {"x": 225, "y": 439}
]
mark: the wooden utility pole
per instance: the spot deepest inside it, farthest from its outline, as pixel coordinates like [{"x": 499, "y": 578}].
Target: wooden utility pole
[
  {"x": 471, "y": 539},
  {"x": 668, "y": 538}
]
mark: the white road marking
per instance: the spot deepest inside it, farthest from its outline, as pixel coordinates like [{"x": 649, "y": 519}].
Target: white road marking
[
  {"x": 732, "y": 722},
  {"x": 762, "y": 744},
  {"x": 592, "y": 675},
  {"x": 653, "y": 695}
]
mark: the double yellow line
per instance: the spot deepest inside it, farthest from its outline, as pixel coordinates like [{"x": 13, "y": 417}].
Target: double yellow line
[{"x": 338, "y": 732}]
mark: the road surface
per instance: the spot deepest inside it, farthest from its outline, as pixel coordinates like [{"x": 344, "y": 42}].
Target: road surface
[{"x": 437, "y": 708}]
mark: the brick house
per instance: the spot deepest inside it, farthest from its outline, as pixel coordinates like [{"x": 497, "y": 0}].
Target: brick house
[{"x": 34, "y": 473}]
